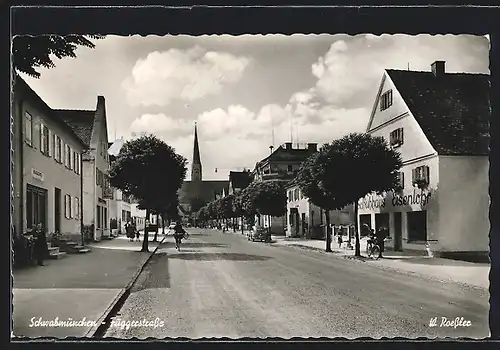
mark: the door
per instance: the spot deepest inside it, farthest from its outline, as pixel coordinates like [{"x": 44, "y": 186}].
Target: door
[
  {"x": 382, "y": 221},
  {"x": 398, "y": 231},
  {"x": 57, "y": 209},
  {"x": 36, "y": 207},
  {"x": 365, "y": 224},
  {"x": 303, "y": 224}
]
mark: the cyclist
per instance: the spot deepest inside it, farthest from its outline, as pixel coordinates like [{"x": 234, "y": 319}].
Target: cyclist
[{"x": 179, "y": 234}]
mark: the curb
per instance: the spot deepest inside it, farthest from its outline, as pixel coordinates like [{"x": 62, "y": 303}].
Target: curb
[{"x": 101, "y": 324}]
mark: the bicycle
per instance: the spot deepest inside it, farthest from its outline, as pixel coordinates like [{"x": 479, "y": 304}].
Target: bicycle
[
  {"x": 373, "y": 249},
  {"x": 179, "y": 238}
]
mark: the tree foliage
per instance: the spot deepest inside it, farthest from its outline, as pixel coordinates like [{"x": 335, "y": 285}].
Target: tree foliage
[
  {"x": 30, "y": 52},
  {"x": 225, "y": 207},
  {"x": 149, "y": 170},
  {"x": 265, "y": 198},
  {"x": 348, "y": 169}
]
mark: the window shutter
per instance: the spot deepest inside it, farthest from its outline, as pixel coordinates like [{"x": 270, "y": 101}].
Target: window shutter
[
  {"x": 41, "y": 138},
  {"x": 66, "y": 206},
  {"x": 401, "y": 134},
  {"x": 51, "y": 143},
  {"x": 413, "y": 174},
  {"x": 72, "y": 208},
  {"x": 427, "y": 174},
  {"x": 71, "y": 162}
]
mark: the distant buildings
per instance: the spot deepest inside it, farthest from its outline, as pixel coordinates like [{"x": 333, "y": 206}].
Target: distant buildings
[
  {"x": 306, "y": 220},
  {"x": 196, "y": 193},
  {"x": 439, "y": 122}
]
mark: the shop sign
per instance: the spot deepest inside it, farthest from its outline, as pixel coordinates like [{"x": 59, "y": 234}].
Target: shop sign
[
  {"x": 36, "y": 174},
  {"x": 371, "y": 202},
  {"x": 416, "y": 197}
]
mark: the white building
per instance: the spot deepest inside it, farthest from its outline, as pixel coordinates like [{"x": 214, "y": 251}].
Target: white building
[
  {"x": 304, "y": 219},
  {"x": 91, "y": 127},
  {"x": 119, "y": 206},
  {"x": 47, "y": 167},
  {"x": 439, "y": 122}
]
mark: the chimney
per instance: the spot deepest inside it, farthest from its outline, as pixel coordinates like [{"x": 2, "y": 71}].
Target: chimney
[
  {"x": 288, "y": 146},
  {"x": 438, "y": 68},
  {"x": 313, "y": 147}
]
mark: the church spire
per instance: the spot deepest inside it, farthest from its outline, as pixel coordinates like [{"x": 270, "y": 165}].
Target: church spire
[{"x": 196, "y": 165}]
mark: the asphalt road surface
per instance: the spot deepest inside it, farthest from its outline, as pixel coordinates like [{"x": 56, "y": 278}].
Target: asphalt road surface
[{"x": 221, "y": 285}]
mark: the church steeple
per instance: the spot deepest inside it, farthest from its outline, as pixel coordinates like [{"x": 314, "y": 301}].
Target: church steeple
[{"x": 196, "y": 165}]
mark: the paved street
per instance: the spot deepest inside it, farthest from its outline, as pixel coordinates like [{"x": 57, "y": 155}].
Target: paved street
[{"x": 221, "y": 285}]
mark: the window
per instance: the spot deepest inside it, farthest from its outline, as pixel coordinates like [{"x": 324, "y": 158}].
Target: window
[
  {"x": 290, "y": 167},
  {"x": 75, "y": 162},
  {"x": 396, "y": 137},
  {"x": 421, "y": 174},
  {"x": 401, "y": 180},
  {"x": 28, "y": 129},
  {"x": 77, "y": 208},
  {"x": 67, "y": 206},
  {"x": 386, "y": 100},
  {"x": 105, "y": 217},
  {"x": 124, "y": 215},
  {"x": 36, "y": 205},
  {"x": 296, "y": 194},
  {"x": 417, "y": 226},
  {"x": 44, "y": 139}
]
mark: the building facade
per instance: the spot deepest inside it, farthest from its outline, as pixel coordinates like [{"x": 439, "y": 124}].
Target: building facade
[
  {"x": 47, "y": 167},
  {"x": 304, "y": 219},
  {"x": 282, "y": 164},
  {"x": 91, "y": 126},
  {"x": 119, "y": 205},
  {"x": 439, "y": 123}
]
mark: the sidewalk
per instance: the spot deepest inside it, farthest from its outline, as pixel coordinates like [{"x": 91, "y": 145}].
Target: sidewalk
[
  {"x": 416, "y": 263},
  {"x": 80, "y": 286}
]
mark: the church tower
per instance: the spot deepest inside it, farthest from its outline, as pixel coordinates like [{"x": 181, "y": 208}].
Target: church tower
[{"x": 196, "y": 165}]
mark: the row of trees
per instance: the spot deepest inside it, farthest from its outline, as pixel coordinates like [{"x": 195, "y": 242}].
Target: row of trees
[
  {"x": 338, "y": 175},
  {"x": 152, "y": 172},
  {"x": 257, "y": 200}
]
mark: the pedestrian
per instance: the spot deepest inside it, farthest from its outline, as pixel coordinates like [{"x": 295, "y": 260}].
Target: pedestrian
[
  {"x": 339, "y": 239},
  {"x": 136, "y": 231},
  {"x": 179, "y": 234},
  {"x": 129, "y": 230},
  {"x": 40, "y": 248},
  {"x": 381, "y": 236}
]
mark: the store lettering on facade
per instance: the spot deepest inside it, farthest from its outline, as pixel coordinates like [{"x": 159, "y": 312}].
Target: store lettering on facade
[
  {"x": 409, "y": 199},
  {"x": 373, "y": 202}
]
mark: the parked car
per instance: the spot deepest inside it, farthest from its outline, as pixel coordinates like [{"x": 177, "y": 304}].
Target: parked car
[{"x": 259, "y": 234}]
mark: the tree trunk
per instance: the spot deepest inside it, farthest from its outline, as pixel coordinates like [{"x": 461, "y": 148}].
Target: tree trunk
[
  {"x": 234, "y": 224},
  {"x": 145, "y": 239},
  {"x": 155, "y": 239},
  {"x": 357, "y": 251},
  {"x": 242, "y": 226},
  {"x": 328, "y": 233},
  {"x": 162, "y": 224}
]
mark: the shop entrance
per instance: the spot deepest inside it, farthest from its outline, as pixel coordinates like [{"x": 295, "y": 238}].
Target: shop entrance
[
  {"x": 417, "y": 226},
  {"x": 365, "y": 224}
]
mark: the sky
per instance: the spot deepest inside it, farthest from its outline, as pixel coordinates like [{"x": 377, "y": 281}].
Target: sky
[{"x": 247, "y": 92}]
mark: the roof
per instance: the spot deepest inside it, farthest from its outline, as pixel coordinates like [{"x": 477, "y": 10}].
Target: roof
[
  {"x": 240, "y": 179},
  {"x": 22, "y": 87},
  {"x": 453, "y": 109},
  {"x": 205, "y": 190},
  {"x": 282, "y": 154},
  {"x": 81, "y": 121}
]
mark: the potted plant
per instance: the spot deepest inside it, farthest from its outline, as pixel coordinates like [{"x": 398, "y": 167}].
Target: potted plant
[{"x": 420, "y": 183}]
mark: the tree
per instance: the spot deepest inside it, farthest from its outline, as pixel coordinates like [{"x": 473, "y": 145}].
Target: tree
[
  {"x": 238, "y": 210},
  {"x": 265, "y": 198},
  {"x": 150, "y": 170},
  {"x": 30, "y": 52},
  {"x": 225, "y": 207},
  {"x": 346, "y": 170}
]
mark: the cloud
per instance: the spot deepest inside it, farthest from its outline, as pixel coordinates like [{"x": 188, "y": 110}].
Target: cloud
[
  {"x": 182, "y": 74},
  {"x": 161, "y": 124},
  {"x": 349, "y": 73}
]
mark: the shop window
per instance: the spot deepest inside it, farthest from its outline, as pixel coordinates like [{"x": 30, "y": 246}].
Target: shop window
[
  {"x": 386, "y": 100},
  {"x": 417, "y": 226},
  {"x": 396, "y": 137}
]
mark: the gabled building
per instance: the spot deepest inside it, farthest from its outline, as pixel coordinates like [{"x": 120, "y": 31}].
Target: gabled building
[
  {"x": 239, "y": 180},
  {"x": 47, "y": 167},
  {"x": 283, "y": 163},
  {"x": 439, "y": 122},
  {"x": 306, "y": 220},
  {"x": 91, "y": 127}
]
